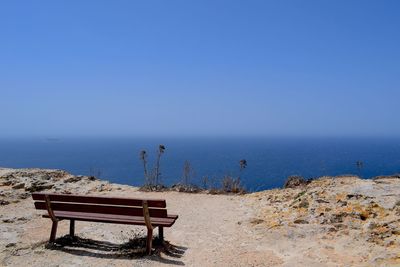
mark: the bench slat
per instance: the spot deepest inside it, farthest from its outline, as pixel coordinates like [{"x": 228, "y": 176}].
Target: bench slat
[
  {"x": 110, "y": 218},
  {"x": 173, "y": 216},
  {"x": 105, "y": 209},
  {"x": 152, "y": 203}
]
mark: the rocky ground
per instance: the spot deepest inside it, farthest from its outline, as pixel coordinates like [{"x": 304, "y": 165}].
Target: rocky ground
[{"x": 342, "y": 221}]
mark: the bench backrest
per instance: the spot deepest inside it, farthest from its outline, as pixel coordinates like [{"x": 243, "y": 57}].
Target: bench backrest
[{"x": 107, "y": 205}]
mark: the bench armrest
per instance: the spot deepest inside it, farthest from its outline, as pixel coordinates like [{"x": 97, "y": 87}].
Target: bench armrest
[
  {"x": 49, "y": 209},
  {"x": 146, "y": 215}
]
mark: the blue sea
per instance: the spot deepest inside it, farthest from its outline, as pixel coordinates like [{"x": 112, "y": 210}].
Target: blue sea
[{"x": 269, "y": 160}]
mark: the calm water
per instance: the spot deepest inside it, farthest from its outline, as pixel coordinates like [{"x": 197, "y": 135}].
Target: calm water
[{"x": 270, "y": 161}]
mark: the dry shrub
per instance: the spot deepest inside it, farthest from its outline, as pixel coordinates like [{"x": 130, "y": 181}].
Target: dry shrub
[{"x": 232, "y": 185}]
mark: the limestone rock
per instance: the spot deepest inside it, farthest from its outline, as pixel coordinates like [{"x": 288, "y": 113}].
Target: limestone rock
[{"x": 295, "y": 181}]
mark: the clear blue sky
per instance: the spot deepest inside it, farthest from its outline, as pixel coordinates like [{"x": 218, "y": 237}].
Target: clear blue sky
[{"x": 297, "y": 68}]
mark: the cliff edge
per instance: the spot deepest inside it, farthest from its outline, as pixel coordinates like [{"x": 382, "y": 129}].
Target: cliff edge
[{"x": 331, "y": 221}]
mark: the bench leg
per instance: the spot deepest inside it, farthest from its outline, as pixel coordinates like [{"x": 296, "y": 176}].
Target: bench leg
[
  {"x": 161, "y": 233},
  {"x": 72, "y": 228},
  {"x": 149, "y": 240},
  {"x": 53, "y": 231}
]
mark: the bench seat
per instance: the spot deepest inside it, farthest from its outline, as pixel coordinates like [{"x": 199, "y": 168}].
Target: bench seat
[{"x": 113, "y": 218}]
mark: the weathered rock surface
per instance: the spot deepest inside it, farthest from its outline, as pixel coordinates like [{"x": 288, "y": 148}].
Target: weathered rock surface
[
  {"x": 295, "y": 181},
  {"x": 344, "y": 221},
  {"x": 358, "y": 220}
]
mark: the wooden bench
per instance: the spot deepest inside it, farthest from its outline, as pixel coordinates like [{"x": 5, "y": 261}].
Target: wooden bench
[{"x": 151, "y": 213}]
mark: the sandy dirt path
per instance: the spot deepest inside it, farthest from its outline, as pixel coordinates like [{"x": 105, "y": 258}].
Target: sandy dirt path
[{"x": 212, "y": 230}]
